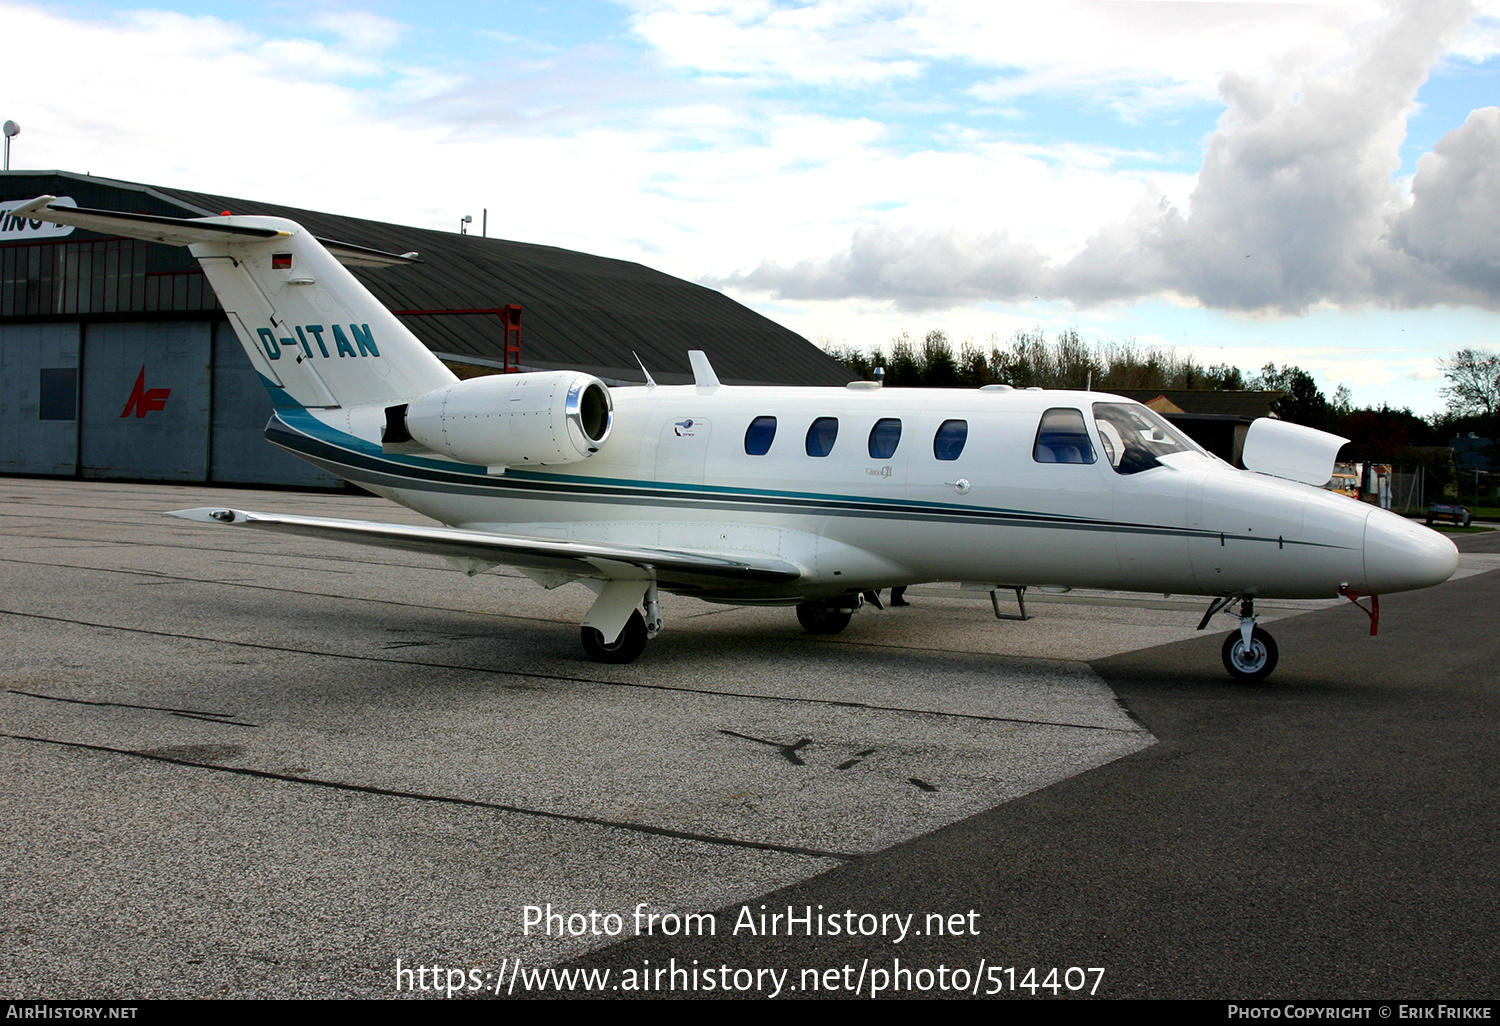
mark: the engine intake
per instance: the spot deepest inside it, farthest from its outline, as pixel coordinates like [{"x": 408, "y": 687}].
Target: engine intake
[{"x": 513, "y": 419}]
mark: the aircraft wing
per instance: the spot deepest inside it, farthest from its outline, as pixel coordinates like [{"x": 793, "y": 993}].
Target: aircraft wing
[{"x": 671, "y": 568}]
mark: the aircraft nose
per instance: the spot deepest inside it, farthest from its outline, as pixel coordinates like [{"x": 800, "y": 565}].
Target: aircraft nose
[{"x": 1402, "y": 556}]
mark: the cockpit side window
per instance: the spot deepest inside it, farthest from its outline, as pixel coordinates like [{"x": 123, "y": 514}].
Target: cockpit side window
[
  {"x": 1134, "y": 437},
  {"x": 759, "y": 436},
  {"x": 1062, "y": 438}
]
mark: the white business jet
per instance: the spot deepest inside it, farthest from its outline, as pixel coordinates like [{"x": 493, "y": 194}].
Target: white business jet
[{"x": 810, "y": 497}]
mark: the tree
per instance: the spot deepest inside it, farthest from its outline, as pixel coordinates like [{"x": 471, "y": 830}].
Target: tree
[
  {"x": 1301, "y": 400},
  {"x": 903, "y": 370},
  {"x": 1223, "y": 376},
  {"x": 861, "y": 365},
  {"x": 1473, "y": 387},
  {"x": 1385, "y": 435},
  {"x": 939, "y": 368}
]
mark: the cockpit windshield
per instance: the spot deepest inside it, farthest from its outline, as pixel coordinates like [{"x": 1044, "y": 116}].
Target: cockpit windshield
[{"x": 1134, "y": 437}]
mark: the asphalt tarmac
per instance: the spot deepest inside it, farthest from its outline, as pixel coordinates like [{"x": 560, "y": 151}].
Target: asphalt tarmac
[
  {"x": 249, "y": 766},
  {"x": 1331, "y": 834}
]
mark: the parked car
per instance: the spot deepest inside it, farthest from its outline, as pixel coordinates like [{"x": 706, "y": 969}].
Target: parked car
[{"x": 1451, "y": 512}]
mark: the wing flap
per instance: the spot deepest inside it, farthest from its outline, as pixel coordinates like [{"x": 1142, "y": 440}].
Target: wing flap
[{"x": 672, "y": 568}]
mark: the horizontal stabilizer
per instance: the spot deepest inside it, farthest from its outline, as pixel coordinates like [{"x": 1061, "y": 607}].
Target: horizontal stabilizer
[
  {"x": 674, "y": 568},
  {"x": 172, "y": 231},
  {"x": 185, "y": 231}
]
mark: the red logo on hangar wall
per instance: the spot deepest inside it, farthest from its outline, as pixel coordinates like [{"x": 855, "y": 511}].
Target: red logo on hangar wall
[{"x": 144, "y": 400}]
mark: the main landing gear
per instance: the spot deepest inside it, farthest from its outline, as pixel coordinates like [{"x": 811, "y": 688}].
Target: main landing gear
[
  {"x": 827, "y": 616},
  {"x": 1250, "y": 652},
  {"x": 638, "y": 629},
  {"x": 627, "y": 648}
]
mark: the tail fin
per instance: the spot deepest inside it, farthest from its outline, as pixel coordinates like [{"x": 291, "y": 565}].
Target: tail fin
[{"x": 314, "y": 334}]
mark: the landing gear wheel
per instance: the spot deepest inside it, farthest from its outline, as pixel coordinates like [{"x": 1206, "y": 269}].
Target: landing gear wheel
[
  {"x": 1253, "y": 665},
  {"x": 627, "y": 648},
  {"x": 828, "y": 616}
]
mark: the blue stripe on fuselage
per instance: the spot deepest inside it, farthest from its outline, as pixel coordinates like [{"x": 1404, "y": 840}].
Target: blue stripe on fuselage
[{"x": 359, "y": 460}]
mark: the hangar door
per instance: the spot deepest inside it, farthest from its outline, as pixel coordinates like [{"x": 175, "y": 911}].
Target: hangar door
[
  {"x": 241, "y": 454},
  {"x": 38, "y": 398},
  {"x": 146, "y": 400}
]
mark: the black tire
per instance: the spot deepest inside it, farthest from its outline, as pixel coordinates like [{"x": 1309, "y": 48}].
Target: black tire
[
  {"x": 627, "y": 648},
  {"x": 1254, "y": 667},
  {"x": 827, "y": 616}
]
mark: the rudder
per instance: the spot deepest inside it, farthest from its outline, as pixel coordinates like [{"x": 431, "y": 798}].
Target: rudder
[{"x": 314, "y": 334}]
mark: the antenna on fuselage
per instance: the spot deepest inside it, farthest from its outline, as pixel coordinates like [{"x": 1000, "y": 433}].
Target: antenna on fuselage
[
  {"x": 650, "y": 381},
  {"x": 703, "y": 371}
]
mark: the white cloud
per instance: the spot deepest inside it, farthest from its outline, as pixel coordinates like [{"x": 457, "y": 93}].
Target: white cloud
[
  {"x": 360, "y": 31},
  {"x": 1132, "y": 56},
  {"x": 1293, "y": 206},
  {"x": 848, "y": 42},
  {"x": 1453, "y": 224},
  {"x": 716, "y": 156}
]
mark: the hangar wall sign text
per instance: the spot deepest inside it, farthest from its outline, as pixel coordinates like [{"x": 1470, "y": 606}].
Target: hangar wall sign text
[{"x": 13, "y": 229}]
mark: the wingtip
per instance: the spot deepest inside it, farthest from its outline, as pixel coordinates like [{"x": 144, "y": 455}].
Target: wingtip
[
  {"x": 35, "y": 206},
  {"x": 208, "y": 515}
]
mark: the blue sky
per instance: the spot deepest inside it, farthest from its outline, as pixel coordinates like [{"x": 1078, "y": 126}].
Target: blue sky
[{"x": 1243, "y": 181}]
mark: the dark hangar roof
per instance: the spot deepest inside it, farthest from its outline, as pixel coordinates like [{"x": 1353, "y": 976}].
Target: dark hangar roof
[{"x": 578, "y": 310}]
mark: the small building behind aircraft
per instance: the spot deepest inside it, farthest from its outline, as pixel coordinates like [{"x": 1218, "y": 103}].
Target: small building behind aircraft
[
  {"x": 116, "y": 360},
  {"x": 1216, "y": 419}
]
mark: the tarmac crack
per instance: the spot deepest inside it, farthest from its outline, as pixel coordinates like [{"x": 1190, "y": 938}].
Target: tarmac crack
[
  {"x": 159, "y": 755},
  {"x": 746, "y": 696},
  {"x": 192, "y": 714},
  {"x": 164, "y": 576},
  {"x": 789, "y": 752},
  {"x": 858, "y": 758}
]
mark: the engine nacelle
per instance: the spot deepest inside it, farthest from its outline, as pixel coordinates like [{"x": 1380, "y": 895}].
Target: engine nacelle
[{"x": 515, "y": 419}]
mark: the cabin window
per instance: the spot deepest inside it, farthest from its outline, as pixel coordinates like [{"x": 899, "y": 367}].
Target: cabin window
[
  {"x": 884, "y": 437},
  {"x": 949, "y": 441},
  {"x": 1133, "y": 437},
  {"x": 821, "y": 436},
  {"x": 759, "y": 436},
  {"x": 1062, "y": 438}
]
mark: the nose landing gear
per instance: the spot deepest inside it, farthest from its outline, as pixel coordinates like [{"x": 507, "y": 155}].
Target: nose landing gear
[
  {"x": 1250, "y": 661},
  {"x": 1250, "y": 652}
]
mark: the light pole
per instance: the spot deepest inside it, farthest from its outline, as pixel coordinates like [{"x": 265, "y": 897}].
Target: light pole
[
  {"x": 11, "y": 130},
  {"x": 463, "y": 225}
]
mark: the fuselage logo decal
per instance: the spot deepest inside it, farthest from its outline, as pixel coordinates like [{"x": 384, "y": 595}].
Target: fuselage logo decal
[{"x": 311, "y": 342}]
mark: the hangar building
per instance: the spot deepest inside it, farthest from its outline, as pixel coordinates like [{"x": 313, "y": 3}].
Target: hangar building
[{"x": 116, "y": 360}]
